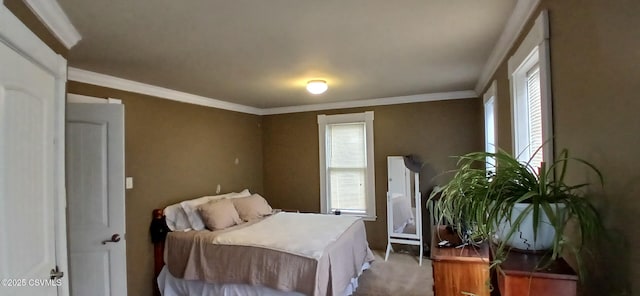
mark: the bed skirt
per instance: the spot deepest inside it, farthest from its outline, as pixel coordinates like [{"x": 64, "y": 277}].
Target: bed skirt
[{"x": 172, "y": 286}]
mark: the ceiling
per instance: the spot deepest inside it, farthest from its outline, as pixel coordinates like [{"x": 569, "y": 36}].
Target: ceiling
[{"x": 260, "y": 53}]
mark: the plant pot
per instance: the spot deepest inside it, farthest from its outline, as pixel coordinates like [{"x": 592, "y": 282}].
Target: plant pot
[{"x": 523, "y": 237}]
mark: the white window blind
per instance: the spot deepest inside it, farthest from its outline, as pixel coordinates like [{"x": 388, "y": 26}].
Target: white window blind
[
  {"x": 535, "y": 115},
  {"x": 347, "y": 166}
]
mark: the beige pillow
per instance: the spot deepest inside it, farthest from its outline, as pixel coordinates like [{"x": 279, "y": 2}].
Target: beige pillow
[
  {"x": 219, "y": 214},
  {"x": 190, "y": 207},
  {"x": 252, "y": 207}
]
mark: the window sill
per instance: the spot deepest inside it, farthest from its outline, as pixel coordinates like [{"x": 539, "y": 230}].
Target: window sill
[{"x": 364, "y": 217}]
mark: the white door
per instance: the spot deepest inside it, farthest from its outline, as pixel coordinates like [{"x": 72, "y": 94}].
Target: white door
[
  {"x": 27, "y": 175},
  {"x": 95, "y": 190}
]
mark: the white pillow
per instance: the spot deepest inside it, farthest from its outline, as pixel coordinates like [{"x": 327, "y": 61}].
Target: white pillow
[
  {"x": 190, "y": 207},
  {"x": 176, "y": 218}
]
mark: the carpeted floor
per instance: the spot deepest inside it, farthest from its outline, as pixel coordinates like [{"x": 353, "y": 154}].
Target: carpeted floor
[{"x": 401, "y": 275}]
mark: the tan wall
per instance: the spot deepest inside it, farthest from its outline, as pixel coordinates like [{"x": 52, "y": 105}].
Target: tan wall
[
  {"x": 176, "y": 151},
  {"x": 434, "y": 131},
  {"x": 595, "y": 70}
]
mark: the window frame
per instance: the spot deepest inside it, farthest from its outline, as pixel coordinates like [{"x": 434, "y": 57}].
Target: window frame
[
  {"x": 534, "y": 50},
  {"x": 490, "y": 102},
  {"x": 367, "y": 119}
]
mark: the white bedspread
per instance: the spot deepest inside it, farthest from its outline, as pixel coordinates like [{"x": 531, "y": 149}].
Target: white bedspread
[{"x": 306, "y": 235}]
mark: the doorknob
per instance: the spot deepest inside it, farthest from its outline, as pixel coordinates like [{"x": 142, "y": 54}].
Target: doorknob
[
  {"x": 114, "y": 239},
  {"x": 56, "y": 274}
]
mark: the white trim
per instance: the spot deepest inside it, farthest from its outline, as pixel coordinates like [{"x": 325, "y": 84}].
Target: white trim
[
  {"x": 533, "y": 49},
  {"x": 491, "y": 92},
  {"x": 491, "y": 96},
  {"x": 16, "y": 35},
  {"x": 74, "y": 98},
  {"x": 114, "y": 101},
  {"x": 322, "y": 139},
  {"x": 51, "y": 15},
  {"x": 547, "y": 95},
  {"x": 521, "y": 13},
  {"x": 89, "y": 77},
  {"x": 366, "y": 117},
  {"x": 61, "y": 190},
  {"x": 490, "y": 99},
  {"x": 82, "y": 99},
  {"x": 536, "y": 36},
  {"x": 465, "y": 94},
  {"x": 99, "y": 79}
]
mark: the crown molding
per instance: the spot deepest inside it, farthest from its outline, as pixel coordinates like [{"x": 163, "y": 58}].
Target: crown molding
[
  {"x": 104, "y": 80},
  {"x": 16, "y": 35},
  {"x": 89, "y": 77},
  {"x": 521, "y": 14},
  {"x": 465, "y": 94},
  {"x": 51, "y": 14}
]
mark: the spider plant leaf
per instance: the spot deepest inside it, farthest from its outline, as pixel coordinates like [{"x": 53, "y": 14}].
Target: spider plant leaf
[{"x": 482, "y": 200}]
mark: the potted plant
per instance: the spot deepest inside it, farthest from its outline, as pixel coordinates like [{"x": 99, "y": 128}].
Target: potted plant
[{"x": 515, "y": 205}]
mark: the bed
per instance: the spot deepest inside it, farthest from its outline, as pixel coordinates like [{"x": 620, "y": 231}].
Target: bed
[{"x": 279, "y": 253}]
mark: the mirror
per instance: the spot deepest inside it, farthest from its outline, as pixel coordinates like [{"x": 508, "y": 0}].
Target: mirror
[{"x": 403, "y": 199}]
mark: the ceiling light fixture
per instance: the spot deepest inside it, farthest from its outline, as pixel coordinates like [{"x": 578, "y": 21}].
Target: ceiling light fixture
[{"x": 317, "y": 87}]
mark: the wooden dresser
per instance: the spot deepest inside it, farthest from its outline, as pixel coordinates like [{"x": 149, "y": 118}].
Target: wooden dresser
[
  {"x": 520, "y": 276},
  {"x": 463, "y": 271}
]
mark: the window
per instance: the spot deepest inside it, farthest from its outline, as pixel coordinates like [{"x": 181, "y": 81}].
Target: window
[
  {"x": 535, "y": 114},
  {"x": 346, "y": 164},
  {"x": 531, "y": 96},
  {"x": 490, "y": 134}
]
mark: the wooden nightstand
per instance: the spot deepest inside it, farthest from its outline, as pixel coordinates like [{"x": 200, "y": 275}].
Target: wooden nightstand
[
  {"x": 520, "y": 277},
  {"x": 463, "y": 271}
]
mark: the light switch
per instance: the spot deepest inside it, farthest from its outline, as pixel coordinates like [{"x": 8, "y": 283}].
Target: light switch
[
  {"x": 218, "y": 189},
  {"x": 128, "y": 182}
]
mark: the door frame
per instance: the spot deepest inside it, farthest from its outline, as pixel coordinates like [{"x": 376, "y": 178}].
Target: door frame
[{"x": 17, "y": 36}]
